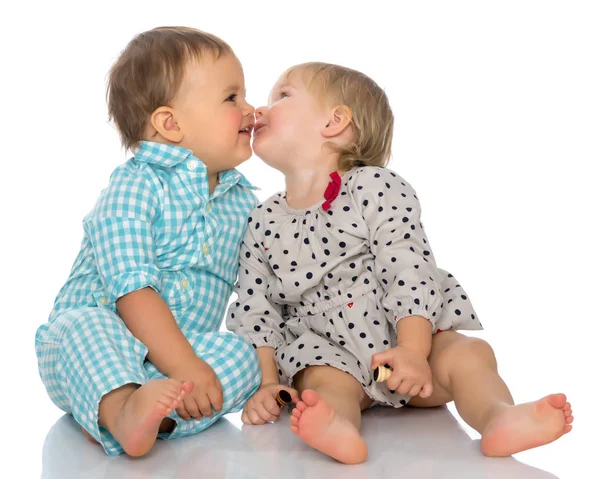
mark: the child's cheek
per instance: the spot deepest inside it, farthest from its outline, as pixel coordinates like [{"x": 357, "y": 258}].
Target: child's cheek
[{"x": 235, "y": 120}]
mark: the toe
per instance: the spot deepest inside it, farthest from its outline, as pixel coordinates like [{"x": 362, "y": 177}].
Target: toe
[
  {"x": 166, "y": 401},
  {"x": 294, "y": 429},
  {"x": 296, "y": 413},
  {"x": 569, "y": 420},
  {"x": 301, "y": 406},
  {"x": 294, "y": 421},
  {"x": 173, "y": 386},
  {"x": 557, "y": 400},
  {"x": 171, "y": 393},
  {"x": 568, "y": 429},
  {"x": 310, "y": 397}
]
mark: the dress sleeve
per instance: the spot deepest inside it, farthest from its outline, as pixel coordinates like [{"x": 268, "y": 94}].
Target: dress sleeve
[
  {"x": 254, "y": 316},
  {"x": 120, "y": 230},
  {"x": 404, "y": 263}
]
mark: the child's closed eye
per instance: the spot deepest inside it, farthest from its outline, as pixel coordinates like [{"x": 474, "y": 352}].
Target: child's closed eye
[{"x": 232, "y": 97}]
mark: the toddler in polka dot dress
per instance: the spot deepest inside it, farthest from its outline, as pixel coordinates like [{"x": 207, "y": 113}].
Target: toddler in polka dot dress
[{"x": 337, "y": 278}]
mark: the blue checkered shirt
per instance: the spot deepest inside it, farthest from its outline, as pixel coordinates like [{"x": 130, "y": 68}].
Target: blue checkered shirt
[{"x": 156, "y": 225}]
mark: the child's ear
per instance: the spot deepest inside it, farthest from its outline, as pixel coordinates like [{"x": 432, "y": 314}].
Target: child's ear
[
  {"x": 339, "y": 119},
  {"x": 164, "y": 122}
]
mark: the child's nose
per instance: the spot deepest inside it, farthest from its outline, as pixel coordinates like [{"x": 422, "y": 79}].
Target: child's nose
[
  {"x": 250, "y": 110},
  {"x": 260, "y": 111}
]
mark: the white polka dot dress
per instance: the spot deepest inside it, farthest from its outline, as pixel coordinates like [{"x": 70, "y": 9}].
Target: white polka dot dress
[{"x": 327, "y": 285}]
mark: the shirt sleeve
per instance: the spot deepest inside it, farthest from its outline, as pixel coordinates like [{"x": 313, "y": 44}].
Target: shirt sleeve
[
  {"x": 404, "y": 263},
  {"x": 254, "y": 316},
  {"x": 120, "y": 230}
]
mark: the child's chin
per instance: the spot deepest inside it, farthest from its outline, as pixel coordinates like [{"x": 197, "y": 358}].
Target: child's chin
[
  {"x": 265, "y": 154},
  {"x": 261, "y": 154}
]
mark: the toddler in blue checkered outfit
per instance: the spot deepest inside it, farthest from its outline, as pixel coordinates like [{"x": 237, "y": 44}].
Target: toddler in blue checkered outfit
[{"x": 132, "y": 347}]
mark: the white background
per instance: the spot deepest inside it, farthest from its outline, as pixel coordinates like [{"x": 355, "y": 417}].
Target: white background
[{"x": 497, "y": 108}]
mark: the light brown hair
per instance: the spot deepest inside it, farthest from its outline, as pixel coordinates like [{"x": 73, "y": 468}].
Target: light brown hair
[
  {"x": 149, "y": 72},
  {"x": 372, "y": 117}
]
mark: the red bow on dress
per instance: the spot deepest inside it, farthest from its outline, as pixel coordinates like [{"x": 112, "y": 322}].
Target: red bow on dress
[{"x": 332, "y": 190}]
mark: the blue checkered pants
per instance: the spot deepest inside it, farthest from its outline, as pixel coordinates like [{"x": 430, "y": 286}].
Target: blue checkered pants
[{"x": 85, "y": 353}]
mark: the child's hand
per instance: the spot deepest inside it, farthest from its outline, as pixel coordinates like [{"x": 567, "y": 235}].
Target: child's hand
[
  {"x": 207, "y": 393},
  {"x": 411, "y": 372},
  {"x": 262, "y": 406}
]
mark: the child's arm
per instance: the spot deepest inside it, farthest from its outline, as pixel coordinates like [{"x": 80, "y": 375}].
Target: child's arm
[
  {"x": 407, "y": 272},
  {"x": 255, "y": 316},
  {"x": 121, "y": 231},
  {"x": 268, "y": 366},
  {"x": 414, "y": 333},
  {"x": 150, "y": 320},
  {"x": 404, "y": 263}
]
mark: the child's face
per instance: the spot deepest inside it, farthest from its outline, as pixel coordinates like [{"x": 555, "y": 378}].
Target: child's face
[
  {"x": 211, "y": 111},
  {"x": 289, "y": 128}
]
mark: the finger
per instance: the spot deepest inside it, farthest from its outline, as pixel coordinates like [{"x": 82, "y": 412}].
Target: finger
[
  {"x": 216, "y": 398},
  {"x": 416, "y": 389},
  {"x": 183, "y": 414},
  {"x": 380, "y": 358},
  {"x": 191, "y": 407},
  {"x": 265, "y": 415},
  {"x": 426, "y": 391},
  {"x": 271, "y": 406},
  {"x": 395, "y": 380},
  {"x": 245, "y": 418},
  {"x": 405, "y": 387},
  {"x": 254, "y": 417},
  {"x": 204, "y": 406}
]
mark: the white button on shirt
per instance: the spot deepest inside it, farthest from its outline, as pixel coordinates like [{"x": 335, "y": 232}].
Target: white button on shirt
[{"x": 192, "y": 165}]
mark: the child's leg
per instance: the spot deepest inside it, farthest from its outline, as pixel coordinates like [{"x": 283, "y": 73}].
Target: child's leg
[
  {"x": 465, "y": 371},
  {"x": 92, "y": 367},
  {"x": 328, "y": 417},
  {"x": 236, "y": 365}
]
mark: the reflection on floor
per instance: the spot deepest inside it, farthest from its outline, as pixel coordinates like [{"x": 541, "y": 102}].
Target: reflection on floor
[{"x": 408, "y": 443}]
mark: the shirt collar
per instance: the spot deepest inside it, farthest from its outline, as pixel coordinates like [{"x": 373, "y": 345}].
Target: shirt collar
[
  {"x": 231, "y": 177},
  {"x": 161, "y": 154},
  {"x": 168, "y": 156}
]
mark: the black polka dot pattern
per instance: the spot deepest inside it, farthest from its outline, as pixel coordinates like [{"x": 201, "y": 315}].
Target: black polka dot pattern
[{"x": 328, "y": 287}]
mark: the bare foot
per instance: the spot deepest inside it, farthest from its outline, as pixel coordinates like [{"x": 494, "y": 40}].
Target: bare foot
[
  {"x": 525, "y": 426},
  {"x": 166, "y": 425},
  {"x": 318, "y": 425},
  {"x": 137, "y": 423}
]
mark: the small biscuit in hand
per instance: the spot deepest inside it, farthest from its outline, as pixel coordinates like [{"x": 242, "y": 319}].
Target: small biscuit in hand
[
  {"x": 283, "y": 398},
  {"x": 382, "y": 373}
]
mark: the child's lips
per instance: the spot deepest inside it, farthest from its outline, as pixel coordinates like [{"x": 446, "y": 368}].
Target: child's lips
[
  {"x": 247, "y": 130},
  {"x": 258, "y": 127}
]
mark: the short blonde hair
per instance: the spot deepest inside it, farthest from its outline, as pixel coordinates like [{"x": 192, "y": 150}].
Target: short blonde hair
[
  {"x": 372, "y": 117},
  {"x": 149, "y": 72}
]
